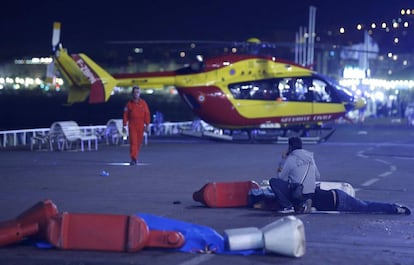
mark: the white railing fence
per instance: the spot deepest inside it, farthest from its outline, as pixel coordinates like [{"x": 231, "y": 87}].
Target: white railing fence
[{"x": 24, "y": 137}]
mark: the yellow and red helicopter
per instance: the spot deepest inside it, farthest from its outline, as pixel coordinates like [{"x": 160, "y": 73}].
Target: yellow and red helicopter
[{"x": 232, "y": 92}]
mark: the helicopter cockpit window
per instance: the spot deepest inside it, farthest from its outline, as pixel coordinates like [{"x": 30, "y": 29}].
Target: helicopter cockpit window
[
  {"x": 322, "y": 90},
  {"x": 263, "y": 90},
  {"x": 306, "y": 89},
  {"x": 327, "y": 92}
]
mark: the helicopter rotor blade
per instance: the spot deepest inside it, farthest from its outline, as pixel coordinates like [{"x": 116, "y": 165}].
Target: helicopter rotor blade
[
  {"x": 55, "y": 35},
  {"x": 50, "y": 70}
]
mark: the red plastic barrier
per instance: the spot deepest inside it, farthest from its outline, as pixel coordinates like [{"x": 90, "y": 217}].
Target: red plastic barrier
[
  {"x": 39, "y": 213},
  {"x": 225, "y": 194},
  {"x": 12, "y": 232},
  {"x": 32, "y": 222},
  {"x": 165, "y": 239},
  {"x": 106, "y": 232}
]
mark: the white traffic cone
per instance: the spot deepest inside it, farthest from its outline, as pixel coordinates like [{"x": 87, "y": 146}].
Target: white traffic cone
[
  {"x": 285, "y": 236},
  {"x": 244, "y": 238}
]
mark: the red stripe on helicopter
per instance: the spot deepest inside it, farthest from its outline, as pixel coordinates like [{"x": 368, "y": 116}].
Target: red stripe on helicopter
[{"x": 97, "y": 93}]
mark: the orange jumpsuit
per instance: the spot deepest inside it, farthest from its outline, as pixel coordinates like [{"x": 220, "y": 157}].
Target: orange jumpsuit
[{"x": 136, "y": 115}]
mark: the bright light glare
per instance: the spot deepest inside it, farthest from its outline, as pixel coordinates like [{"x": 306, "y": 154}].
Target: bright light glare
[
  {"x": 379, "y": 96},
  {"x": 138, "y": 50}
]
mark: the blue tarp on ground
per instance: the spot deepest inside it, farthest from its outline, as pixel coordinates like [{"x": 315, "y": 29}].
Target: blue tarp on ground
[{"x": 198, "y": 238}]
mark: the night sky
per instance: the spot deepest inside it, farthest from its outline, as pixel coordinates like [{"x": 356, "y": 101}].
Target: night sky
[{"x": 26, "y": 26}]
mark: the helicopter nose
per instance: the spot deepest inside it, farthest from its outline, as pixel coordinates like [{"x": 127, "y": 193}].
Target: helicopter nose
[{"x": 355, "y": 105}]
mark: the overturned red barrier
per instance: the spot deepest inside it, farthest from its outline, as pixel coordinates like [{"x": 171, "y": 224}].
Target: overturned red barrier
[
  {"x": 165, "y": 239},
  {"x": 39, "y": 213},
  {"x": 32, "y": 222},
  {"x": 225, "y": 194},
  {"x": 12, "y": 232},
  {"x": 107, "y": 232}
]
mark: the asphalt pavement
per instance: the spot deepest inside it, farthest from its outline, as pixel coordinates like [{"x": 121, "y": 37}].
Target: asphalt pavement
[{"x": 376, "y": 159}]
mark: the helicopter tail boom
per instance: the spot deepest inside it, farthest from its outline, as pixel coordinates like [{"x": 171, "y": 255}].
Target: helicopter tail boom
[{"x": 85, "y": 77}]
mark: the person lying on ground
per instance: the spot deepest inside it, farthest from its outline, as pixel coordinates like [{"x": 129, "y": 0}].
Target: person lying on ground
[
  {"x": 328, "y": 200},
  {"x": 338, "y": 200}
]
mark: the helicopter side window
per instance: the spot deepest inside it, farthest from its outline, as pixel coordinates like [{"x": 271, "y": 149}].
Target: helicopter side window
[
  {"x": 301, "y": 90},
  {"x": 235, "y": 90},
  {"x": 270, "y": 89},
  {"x": 241, "y": 90},
  {"x": 245, "y": 91},
  {"x": 287, "y": 88},
  {"x": 310, "y": 92},
  {"x": 256, "y": 91},
  {"x": 262, "y": 90}
]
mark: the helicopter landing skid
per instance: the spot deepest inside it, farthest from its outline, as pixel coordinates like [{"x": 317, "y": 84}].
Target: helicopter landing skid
[
  {"x": 279, "y": 136},
  {"x": 312, "y": 136}
]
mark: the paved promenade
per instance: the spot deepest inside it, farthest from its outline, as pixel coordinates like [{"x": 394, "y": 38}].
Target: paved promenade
[{"x": 376, "y": 160}]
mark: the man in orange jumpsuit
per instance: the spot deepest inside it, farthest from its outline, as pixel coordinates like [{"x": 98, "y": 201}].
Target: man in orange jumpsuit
[{"x": 137, "y": 117}]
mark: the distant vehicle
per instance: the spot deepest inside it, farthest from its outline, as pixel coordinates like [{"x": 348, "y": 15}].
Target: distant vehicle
[
  {"x": 233, "y": 92},
  {"x": 409, "y": 114}
]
